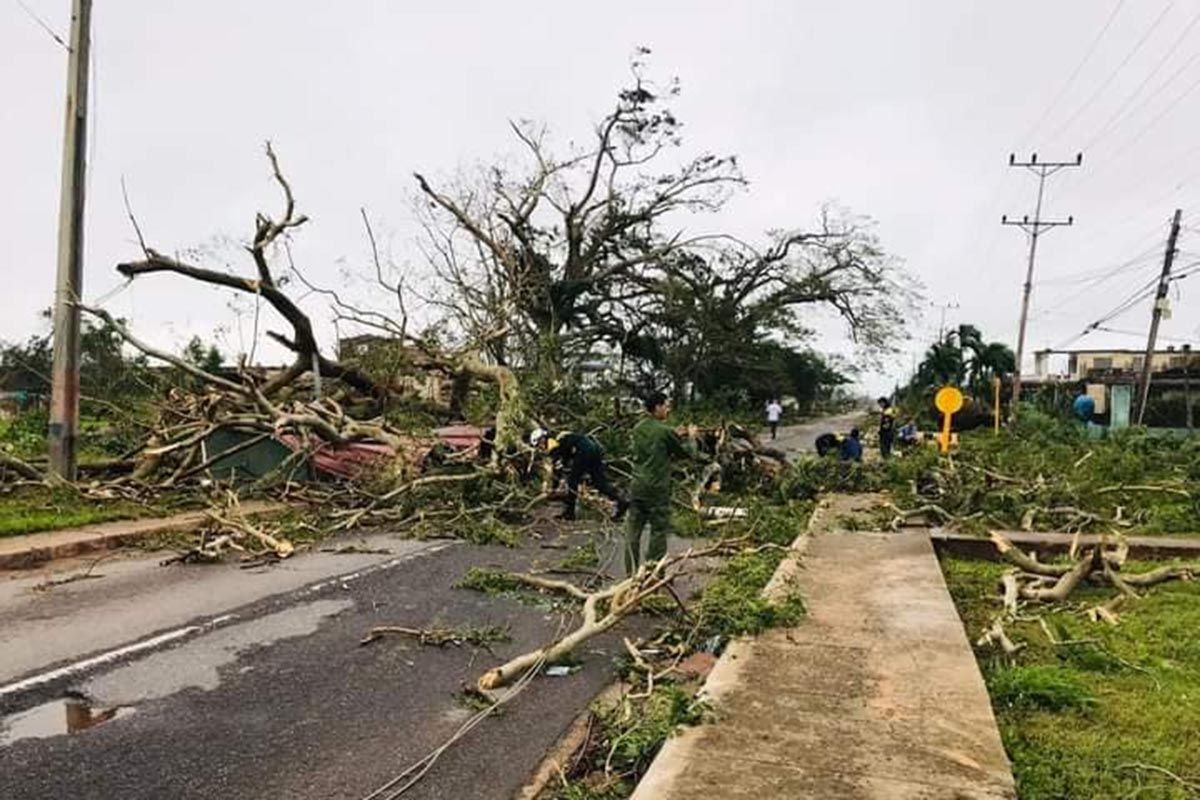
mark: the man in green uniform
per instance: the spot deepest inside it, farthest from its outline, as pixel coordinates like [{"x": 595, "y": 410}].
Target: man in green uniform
[{"x": 654, "y": 445}]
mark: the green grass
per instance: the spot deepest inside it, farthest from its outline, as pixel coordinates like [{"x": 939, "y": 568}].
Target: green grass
[
  {"x": 33, "y": 509},
  {"x": 1075, "y": 719}
]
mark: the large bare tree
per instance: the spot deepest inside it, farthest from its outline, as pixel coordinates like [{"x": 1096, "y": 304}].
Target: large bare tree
[{"x": 530, "y": 253}]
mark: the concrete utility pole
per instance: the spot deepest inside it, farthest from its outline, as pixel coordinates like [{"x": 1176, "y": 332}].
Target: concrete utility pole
[
  {"x": 942, "y": 322},
  {"x": 1160, "y": 299},
  {"x": 64, "y": 392},
  {"x": 1034, "y": 227}
]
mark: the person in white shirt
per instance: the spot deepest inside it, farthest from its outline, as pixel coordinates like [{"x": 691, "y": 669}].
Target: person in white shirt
[{"x": 774, "y": 414}]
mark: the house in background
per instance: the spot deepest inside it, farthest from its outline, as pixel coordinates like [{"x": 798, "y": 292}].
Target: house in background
[{"x": 1110, "y": 377}]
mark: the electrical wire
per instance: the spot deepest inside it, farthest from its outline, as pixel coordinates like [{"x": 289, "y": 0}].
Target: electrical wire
[
  {"x": 1112, "y": 76},
  {"x": 1141, "y": 293},
  {"x": 41, "y": 23},
  {"x": 1120, "y": 114},
  {"x": 1075, "y": 72},
  {"x": 1102, "y": 274},
  {"x": 1156, "y": 119}
]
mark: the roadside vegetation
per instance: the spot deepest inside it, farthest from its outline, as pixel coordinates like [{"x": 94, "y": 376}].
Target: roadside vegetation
[
  {"x": 1049, "y": 474},
  {"x": 31, "y": 509},
  {"x": 1103, "y": 711}
]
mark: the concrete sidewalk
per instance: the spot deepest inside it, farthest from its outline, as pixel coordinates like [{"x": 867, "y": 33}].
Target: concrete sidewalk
[
  {"x": 876, "y": 695},
  {"x": 30, "y": 550}
]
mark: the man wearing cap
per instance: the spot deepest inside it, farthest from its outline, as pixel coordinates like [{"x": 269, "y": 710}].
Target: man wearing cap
[{"x": 582, "y": 457}]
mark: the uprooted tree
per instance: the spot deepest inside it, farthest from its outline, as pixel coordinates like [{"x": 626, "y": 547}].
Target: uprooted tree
[
  {"x": 541, "y": 266},
  {"x": 272, "y": 405}
]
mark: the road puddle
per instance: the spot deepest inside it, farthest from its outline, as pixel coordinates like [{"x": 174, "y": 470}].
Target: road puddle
[
  {"x": 70, "y": 715},
  {"x": 197, "y": 664}
]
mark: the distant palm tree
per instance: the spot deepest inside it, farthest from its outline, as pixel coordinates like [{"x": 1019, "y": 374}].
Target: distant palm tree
[
  {"x": 992, "y": 360},
  {"x": 963, "y": 358}
]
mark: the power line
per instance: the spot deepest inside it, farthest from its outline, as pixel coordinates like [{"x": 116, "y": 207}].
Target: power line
[
  {"x": 1087, "y": 287},
  {"x": 1112, "y": 76},
  {"x": 41, "y": 23},
  {"x": 1157, "y": 118},
  {"x": 1104, "y": 129},
  {"x": 1075, "y": 72},
  {"x": 1138, "y": 334},
  {"x": 1099, "y": 275},
  {"x": 1139, "y": 294}
]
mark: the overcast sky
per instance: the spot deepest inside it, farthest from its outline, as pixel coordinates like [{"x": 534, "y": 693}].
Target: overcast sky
[{"x": 905, "y": 111}]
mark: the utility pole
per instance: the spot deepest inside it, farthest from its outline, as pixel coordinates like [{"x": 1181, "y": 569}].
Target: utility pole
[
  {"x": 64, "y": 392},
  {"x": 1160, "y": 302},
  {"x": 1034, "y": 228},
  {"x": 942, "y": 322}
]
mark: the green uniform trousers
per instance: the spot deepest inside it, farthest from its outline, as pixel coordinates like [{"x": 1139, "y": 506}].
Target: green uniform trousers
[{"x": 643, "y": 512}]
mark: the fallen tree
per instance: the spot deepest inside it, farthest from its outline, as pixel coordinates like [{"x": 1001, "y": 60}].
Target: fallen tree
[
  {"x": 603, "y": 608},
  {"x": 1032, "y": 583}
]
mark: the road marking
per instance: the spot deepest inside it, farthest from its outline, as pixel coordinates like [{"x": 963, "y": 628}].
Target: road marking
[
  {"x": 188, "y": 631},
  {"x": 114, "y": 655}
]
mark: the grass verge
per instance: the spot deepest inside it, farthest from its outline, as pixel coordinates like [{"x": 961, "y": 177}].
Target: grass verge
[
  {"x": 1112, "y": 712},
  {"x": 31, "y": 509}
]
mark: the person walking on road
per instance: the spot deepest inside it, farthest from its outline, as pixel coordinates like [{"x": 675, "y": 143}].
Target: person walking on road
[
  {"x": 654, "y": 445},
  {"x": 774, "y": 415},
  {"x": 887, "y": 427},
  {"x": 582, "y": 457}
]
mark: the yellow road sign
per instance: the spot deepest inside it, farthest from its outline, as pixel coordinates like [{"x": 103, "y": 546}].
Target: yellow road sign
[{"x": 948, "y": 400}]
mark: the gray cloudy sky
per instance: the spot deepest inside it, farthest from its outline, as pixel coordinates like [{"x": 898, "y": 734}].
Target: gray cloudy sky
[{"x": 905, "y": 111}]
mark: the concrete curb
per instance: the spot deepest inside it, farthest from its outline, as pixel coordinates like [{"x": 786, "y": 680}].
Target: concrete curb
[
  {"x": 1051, "y": 542},
  {"x": 35, "y": 549}
]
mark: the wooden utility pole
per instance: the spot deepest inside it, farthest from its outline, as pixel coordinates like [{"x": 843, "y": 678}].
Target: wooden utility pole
[
  {"x": 64, "y": 392},
  {"x": 1034, "y": 228},
  {"x": 1160, "y": 301}
]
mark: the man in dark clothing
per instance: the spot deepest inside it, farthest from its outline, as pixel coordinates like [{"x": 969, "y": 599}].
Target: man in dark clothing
[
  {"x": 887, "y": 427},
  {"x": 827, "y": 443},
  {"x": 654, "y": 445},
  {"x": 582, "y": 457}
]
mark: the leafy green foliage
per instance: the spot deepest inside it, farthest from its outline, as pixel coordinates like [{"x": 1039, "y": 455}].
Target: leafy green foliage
[
  {"x": 489, "y": 581},
  {"x": 584, "y": 558},
  {"x": 627, "y": 742},
  {"x": 960, "y": 358},
  {"x": 732, "y": 603},
  {"x": 1044, "y": 463}
]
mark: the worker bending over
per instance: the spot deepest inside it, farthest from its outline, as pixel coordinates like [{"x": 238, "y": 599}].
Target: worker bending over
[{"x": 581, "y": 457}]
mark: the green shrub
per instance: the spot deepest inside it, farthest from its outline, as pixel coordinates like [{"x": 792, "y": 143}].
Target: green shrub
[{"x": 1039, "y": 687}]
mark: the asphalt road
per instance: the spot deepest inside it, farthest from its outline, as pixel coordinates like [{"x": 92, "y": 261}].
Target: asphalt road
[
  {"x": 275, "y": 698},
  {"x": 799, "y": 439},
  {"x": 236, "y": 683}
]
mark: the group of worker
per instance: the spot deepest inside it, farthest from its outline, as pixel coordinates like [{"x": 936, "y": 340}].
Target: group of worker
[
  {"x": 849, "y": 448},
  {"x": 654, "y": 445}
]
